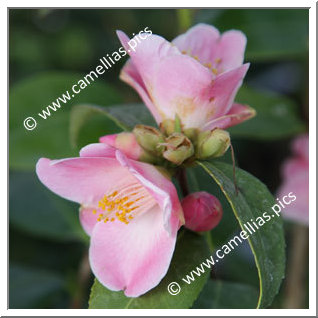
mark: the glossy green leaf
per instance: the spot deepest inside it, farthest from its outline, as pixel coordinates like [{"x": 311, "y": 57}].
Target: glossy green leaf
[
  {"x": 199, "y": 180},
  {"x": 267, "y": 243},
  {"x": 124, "y": 116},
  {"x": 218, "y": 294},
  {"x": 50, "y": 137},
  {"x": 37, "y": 211},
  {"x": 230, "y": 267},
  {"x": 271, "y": 33},
  {"x": 276, "y": 116},
  {"x": 190, "y": 251}
]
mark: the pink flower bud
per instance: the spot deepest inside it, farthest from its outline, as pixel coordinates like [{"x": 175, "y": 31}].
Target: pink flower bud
[
  {"x": 127, "y": 143},
  {"x": 202, "y": 211}
]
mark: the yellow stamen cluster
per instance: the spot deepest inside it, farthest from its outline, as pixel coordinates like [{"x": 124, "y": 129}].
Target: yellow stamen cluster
[
  {"x": 116, "y": 206},
  {"x": 214, "y": 69}
]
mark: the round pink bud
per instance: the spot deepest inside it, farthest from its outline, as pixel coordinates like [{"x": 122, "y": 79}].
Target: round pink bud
[{"x": 202, "y": 211}]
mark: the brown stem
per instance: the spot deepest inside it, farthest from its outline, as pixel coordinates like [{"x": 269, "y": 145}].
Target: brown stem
[
  {"x": 295, "y": 287},
  {"x": 82, "y": 280},
  {"x": 182, "y": 178}
]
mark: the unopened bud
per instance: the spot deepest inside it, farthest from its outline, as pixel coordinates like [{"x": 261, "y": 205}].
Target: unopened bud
[
  {"x": 178, "y": 148},
  {"x": 213, "y": 143},
  {"x": 127, "y": 143},
  {"x": 202, "y": 211},
  {"x": 167, "y": 127},
  {"x": 149, "y": 138},
  {"x": 191, "y": 133}
]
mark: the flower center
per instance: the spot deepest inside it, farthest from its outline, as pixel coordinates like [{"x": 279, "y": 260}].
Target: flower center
[
  {"x": 214, "y": 67},
  {"x": 124, "y": 204}
]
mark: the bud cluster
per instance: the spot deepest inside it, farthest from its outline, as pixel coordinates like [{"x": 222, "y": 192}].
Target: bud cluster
[{"x": 177, "y": 146}]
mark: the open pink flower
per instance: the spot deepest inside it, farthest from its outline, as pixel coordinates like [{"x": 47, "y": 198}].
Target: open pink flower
[
  {"x": 196, "y": 76},
  {"x": 295, "y": 173},
  {"x": 130, "y": 210}
]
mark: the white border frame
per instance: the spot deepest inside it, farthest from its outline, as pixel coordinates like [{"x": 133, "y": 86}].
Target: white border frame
[{"x": 312, "y": 139}]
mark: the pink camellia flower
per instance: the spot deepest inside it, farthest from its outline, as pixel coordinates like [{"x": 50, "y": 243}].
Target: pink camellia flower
[
  {"x": 130, "y": 210},
  {"x": 195, "y": 77},
  {"x": 295, "y": 173},
  {"x": 202, "y": 211}
]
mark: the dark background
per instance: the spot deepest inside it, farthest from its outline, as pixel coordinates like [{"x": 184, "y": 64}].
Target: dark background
[{"x": 51, "y": 49}]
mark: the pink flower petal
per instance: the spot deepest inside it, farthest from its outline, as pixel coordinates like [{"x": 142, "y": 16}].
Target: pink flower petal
[
  {"x": 83, "y": 180},
  {"x": 300, "y": 146},
  {"x": 294, "y": 166},
  {"x": 224, "y": 89},
  {"x": 109, "y": 140},
  {"x": 125, "y": 142},
  {"x": 180, "y": 86},
  {"x": 183, "y": 86},
  {"x": 147, "y": 54},
  {"x": 160, "y": 187},
  {"x": 98, "y": 150},
  {"x": 133, "y": 257},
  {"x": 298, "y": 184},
  {"x": 230, "y": 49},
  {"x": 88, "y": 219},
  {"x": 130, "y": 75},
  {"x": 237, "y": 114},
  {"x": 295, "y": 173},
  {"x": 199, "y": 41},
  {"x": 205, "y": 42}
]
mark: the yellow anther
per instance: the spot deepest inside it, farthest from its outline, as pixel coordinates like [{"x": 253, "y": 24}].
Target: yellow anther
[
  {"x": 118, "y": 207},
  {"x": 218, "y": 60},
  {"x": 214, "y": 71}
]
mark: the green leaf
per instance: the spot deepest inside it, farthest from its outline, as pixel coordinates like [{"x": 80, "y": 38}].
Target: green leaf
[
  {"x": 267, "y": 243},
  {"x": 219, "y": 294},
  {"x": 276, "y": 116},
  {"x": 28, "y": 286},
  {"x": 199, "y": 180},
  {"x": 124, "y": 116},
  {"x": 49, "y": 139},
  {"x": 190, "y": 251},
  {"x": 37, "y": 211},
  {"x": 230, "y": 267},
  {"x": 272, "y": 34}
]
